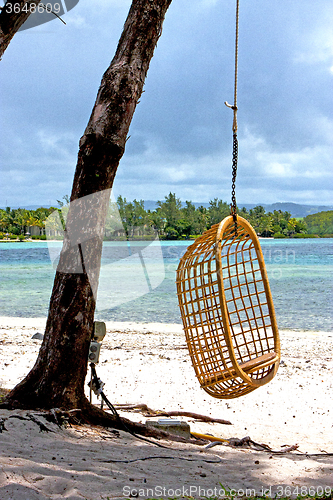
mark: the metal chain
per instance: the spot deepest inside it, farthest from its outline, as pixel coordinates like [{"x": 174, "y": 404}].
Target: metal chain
[{"x": 234, "y": 175}]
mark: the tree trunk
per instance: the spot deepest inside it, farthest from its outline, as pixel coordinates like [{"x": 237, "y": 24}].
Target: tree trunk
[
  {"x": 13, "y": 14},
  {"x": 57, "y": 379}
]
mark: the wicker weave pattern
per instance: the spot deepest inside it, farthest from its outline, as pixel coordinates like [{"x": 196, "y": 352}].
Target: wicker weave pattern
[{"x": 227, "y": 310}]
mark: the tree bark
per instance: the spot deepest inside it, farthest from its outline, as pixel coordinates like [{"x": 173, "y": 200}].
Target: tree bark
[
  {"x": 57, "y": 379},
  {"x": 11, "y": 20}
]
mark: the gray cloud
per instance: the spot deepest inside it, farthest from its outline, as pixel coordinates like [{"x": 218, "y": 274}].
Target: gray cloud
[{"x": 181, "y": 132}]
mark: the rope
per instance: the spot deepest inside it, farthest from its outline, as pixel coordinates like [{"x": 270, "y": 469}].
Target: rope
[
  {"x": 234, "y": 105},
  {"x": 114, "y": 411},
  {"x": 234, "y": 126}
]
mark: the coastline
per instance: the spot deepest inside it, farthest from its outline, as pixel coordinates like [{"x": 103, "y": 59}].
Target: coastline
[
  {"x": 149, "y": 364},
  {"x": 301, "y": 237},
  {"x": 40, "y": 322}
]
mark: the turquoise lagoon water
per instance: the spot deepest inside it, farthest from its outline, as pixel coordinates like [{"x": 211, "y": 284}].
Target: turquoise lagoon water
[{"x": 137, "y": 281}]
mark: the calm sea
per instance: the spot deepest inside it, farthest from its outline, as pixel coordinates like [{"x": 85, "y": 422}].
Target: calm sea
[{"x": 138, "y": 281}]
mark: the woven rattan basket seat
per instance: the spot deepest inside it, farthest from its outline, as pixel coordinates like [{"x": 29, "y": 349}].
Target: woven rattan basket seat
[{"x": 227, "y": 310}]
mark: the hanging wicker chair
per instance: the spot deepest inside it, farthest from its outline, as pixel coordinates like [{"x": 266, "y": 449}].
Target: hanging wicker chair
[{"x": 227, "y": 310}]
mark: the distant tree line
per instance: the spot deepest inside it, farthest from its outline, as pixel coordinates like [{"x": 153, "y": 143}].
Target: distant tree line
[
  {"x": 21, "y": 223},
  {"x": 320, "y": 223},
  {"x": 171, "y": 220}
]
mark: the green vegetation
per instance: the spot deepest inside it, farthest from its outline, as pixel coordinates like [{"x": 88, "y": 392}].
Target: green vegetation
[
  {"x": 15, "y": 224},
  {"x": 320, "y": 223},
  {"x": 3, "y": 394},
  {"x": 171, "y": 220}
]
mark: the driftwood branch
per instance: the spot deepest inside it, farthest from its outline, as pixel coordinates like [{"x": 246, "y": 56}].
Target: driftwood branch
[
  {"x": 196, "y": 416},
  {"x": 247, "y": 442},
  {"x": 148, "y": 412}
]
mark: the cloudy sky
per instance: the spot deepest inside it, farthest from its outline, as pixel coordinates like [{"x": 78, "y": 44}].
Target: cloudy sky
[{"x": 181, "y": 137}]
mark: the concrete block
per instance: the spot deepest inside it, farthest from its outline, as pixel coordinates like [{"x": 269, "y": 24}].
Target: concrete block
[{"x": 172, "y": 426}]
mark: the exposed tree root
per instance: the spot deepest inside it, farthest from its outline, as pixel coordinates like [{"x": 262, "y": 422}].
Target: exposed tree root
[
  {"x": 93, "y": 415},
  {"x": 33, "y": 417},
  {"x": 90, "y": 414}
]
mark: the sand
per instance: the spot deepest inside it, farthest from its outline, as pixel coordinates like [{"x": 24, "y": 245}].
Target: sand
[{"x": 149, "y": 364}]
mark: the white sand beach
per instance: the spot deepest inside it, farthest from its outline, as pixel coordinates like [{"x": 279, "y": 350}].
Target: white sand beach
[{"x": 149, "y": 364}]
